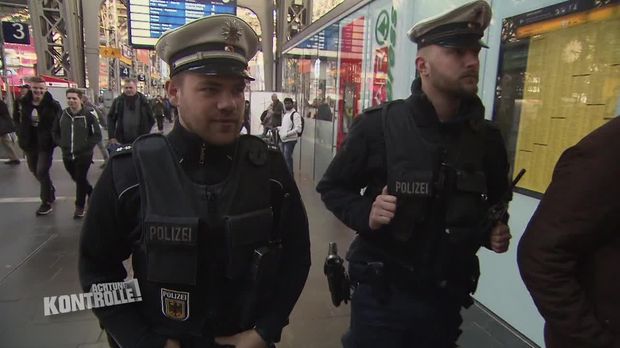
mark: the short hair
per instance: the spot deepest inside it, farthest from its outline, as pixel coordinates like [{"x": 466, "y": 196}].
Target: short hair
[
  {"x": 36, "y": 79},
  {"x": 76, "y": 91},
  {"x": 287, "y": 99},
  {"x": 132, "y": 80}
]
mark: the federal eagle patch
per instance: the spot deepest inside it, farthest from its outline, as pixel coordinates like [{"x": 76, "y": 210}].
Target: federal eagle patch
[{"x": 175, "y": 304}]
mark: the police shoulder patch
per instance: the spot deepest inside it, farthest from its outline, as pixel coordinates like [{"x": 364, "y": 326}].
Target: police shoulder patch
[{"x": 175, "y": 304}]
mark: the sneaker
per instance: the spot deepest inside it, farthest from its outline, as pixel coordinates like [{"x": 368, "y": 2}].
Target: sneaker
[
  {"x": 12, "y": 162},
  {"x": 44, "y": 209},
  {"x": 79, "y": 213}
]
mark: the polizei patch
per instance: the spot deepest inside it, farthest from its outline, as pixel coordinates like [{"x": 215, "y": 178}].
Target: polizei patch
[{"x": 175, "y": 304}]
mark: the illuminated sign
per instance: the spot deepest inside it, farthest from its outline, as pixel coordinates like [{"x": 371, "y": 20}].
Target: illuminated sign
[{"x": 149, "y": 19}]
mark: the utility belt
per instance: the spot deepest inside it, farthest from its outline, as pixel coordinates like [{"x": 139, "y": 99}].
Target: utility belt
[{"x": 453, "y": 277}]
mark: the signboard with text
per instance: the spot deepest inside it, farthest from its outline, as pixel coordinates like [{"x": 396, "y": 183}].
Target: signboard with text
[{"x": 149, "y": 19}]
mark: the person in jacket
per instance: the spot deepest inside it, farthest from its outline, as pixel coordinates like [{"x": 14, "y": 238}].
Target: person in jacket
[
  {"x": 157, "y": 105},
  {"x": 289, "y": 131},
  {"x": 569, "y": 255},
  {"x": 130, "y": 115},
  {"x": 77, "y": 132},
  {"x": 88, "y": 105},
  {"x": 38, "y": 111},
  {"x": 415, "y": 179},
  {"x": 213, "y": 220},
  {"x": 6, "y": 128}
]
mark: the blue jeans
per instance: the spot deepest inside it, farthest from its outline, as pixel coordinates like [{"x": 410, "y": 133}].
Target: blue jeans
[
  {"x": 287, "y": 150},
  {"x": 403, "y": 320}
]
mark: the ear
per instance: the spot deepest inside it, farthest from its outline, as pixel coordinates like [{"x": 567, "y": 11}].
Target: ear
[
  {"x": 421, "y": 65},
  {"x": 173, "y": 91}
]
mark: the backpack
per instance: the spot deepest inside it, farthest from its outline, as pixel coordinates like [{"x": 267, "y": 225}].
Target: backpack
[{"x": 303, "y": 122}]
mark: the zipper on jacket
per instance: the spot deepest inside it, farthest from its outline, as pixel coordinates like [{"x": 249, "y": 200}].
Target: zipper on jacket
[{"x": 203, "y": 154}]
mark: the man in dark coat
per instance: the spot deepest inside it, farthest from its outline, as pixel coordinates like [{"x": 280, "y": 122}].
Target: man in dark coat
[
  {"x": 130, "y": 115},
  {"x": 569, "y": 255},
  {"x": 6, "y": 128},
  {"x": 37, "y": 114}
]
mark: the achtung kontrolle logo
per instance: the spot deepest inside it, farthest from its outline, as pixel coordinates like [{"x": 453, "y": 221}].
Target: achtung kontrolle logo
[{"x": 100, "y": 295}]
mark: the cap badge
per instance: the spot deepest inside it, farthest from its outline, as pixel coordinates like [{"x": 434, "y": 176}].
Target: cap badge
[
  {"x": 229, "y": 48},
  {"x": 231, "y": 32}
]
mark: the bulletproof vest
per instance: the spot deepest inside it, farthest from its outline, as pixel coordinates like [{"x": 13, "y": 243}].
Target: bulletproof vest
[
  {"x": 437, "y": 175},
  {"x": 197, "y": 240}
]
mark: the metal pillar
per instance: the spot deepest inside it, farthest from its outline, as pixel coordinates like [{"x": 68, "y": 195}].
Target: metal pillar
[
  {"x": 264, "y": 11},
  {"x": 91, "y": 22},
  {"x": 57, "y": 30},
  {"x": 293, "y": 17}
]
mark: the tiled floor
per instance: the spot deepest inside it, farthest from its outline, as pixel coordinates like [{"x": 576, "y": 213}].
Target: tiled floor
[{"x": 38, "y": 258}]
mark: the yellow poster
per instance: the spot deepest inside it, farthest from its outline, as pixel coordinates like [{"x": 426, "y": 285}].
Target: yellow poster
[{"x": 572, "y": 86}]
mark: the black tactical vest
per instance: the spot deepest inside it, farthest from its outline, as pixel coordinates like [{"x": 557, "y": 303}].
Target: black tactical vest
[
  {"x": 197, "y": 240},
  {"x": 438, "y": 177}
]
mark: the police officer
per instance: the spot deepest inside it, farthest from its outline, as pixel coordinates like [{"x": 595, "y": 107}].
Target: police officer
[
  {"x": 431, "y": 166},
  {"x": 214, "y": 223}
]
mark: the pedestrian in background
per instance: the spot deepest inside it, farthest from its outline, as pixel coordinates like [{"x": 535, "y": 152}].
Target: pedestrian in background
[
  {"x": 37, "y": 112},
  {"x": 7, "y": 128},
  {"x": 130, "y": 115}
]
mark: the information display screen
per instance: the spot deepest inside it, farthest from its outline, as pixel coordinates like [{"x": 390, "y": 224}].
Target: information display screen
[
  {"x": 149, "y": 19},
  {"x": 558, "y": 80}
]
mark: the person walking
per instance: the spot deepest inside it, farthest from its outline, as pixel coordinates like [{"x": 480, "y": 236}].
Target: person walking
[
  {"x": 77, "y": 132},
  {"x": 7, "y": 128},
  {"x": 415, "y": 179},
  {"x": 130, "y": 115},
  {"x": 38, "y": 111}
]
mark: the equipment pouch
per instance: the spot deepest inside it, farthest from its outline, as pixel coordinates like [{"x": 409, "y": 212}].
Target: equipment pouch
[
  {"x": 244, "y": 233},
  {"x": 260, "y": 282},
  {"x": 171, "y": 249}
]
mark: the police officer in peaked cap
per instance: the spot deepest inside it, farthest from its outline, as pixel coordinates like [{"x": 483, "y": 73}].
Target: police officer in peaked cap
[
  {"x": 213, "y": 221},
  {"x": 431, "y": 166}
]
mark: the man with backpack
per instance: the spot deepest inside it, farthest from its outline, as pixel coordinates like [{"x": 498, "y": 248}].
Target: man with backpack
[{"x": 289, "y": 131}]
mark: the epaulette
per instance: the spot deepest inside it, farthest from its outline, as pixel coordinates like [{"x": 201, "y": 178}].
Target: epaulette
[
  {"x": 121, "y": 150},
  {"x": 381, "y": 106}
]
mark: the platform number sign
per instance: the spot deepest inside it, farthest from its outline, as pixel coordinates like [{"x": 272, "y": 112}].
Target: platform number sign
[
  {"x": 124, "y": 71},
  {"x": 15, "y": 32}
]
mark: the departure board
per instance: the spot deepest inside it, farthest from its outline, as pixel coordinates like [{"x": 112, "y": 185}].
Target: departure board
[{"x": 149, "y": 19}]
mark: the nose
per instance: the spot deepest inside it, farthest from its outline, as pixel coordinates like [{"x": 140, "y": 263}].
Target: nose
[
  {"x": 471, "y": 59},
  {"x": 226, "y": 102}
]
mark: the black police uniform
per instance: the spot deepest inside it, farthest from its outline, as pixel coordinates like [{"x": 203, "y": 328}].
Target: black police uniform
[
  {"x": 200, "y": 198},
  {"x": 404, "y": 292}
]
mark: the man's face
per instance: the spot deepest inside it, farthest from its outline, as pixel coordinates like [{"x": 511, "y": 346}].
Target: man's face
[
  {"x": 130, "y": 89},
  {"x": 210, "y": 106},
  {"x": 38, "y": 90},
  {"x": 74, "y": 101},
  {"x": 23, "y": 91},
  {"x": 288, "y": 105},
  {"x": 274, "y": 98},
  {"x": 454, "y": 71}
]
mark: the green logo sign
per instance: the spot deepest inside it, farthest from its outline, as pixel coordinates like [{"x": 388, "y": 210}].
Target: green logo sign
[{"x": 382, "y": 27}]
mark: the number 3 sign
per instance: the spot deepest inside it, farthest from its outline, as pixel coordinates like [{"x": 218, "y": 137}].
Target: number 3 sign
[{"x": 16, "y": 33}]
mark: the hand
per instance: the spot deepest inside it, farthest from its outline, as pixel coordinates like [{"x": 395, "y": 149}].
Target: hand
[
  {"x": 172, "y": 344},
  {"x": 500, "y": 238},
  {"x": 383, "y": 210},
  {"x": 245, "y": 339},
  {"x": 112, "y": 141}
]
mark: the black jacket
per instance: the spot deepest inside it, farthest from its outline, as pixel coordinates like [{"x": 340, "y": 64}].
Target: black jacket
[
  {"x": 40, "y": 137},
  {"x": 6, "y": 123},
  {"x": 361, "y": 162},
  {"x": 111, "y": 231},
  {"x": 115, "y": 118},
  {"x": 77, "y": 134}
]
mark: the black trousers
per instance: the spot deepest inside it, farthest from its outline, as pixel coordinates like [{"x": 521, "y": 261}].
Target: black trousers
[
  {"x": 401, "y": 319},
  {"x": 39, "y": 163},
  {"x": 78, "y": 169}
]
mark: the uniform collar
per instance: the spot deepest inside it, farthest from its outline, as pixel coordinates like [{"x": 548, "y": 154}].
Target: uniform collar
[
  {"x": 188, "y": 146},
  {"x": 425, "y": 115}
]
